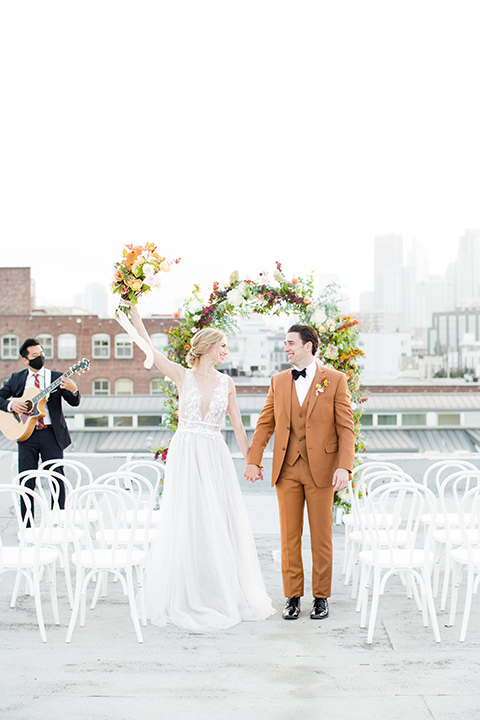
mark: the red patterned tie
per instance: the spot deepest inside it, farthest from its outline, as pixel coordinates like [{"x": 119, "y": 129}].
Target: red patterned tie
[{"x": 40, "y": 423}]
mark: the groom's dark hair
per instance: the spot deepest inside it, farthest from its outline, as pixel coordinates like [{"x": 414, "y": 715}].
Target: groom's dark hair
[{"x": 307, "y": 334}]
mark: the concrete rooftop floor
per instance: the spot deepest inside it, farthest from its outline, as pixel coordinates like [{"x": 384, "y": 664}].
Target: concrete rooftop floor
[{"x": 272, "y": 669}]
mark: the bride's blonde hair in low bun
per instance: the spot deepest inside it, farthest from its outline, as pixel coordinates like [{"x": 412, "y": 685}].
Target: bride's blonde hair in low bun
[{"x": 201, "y": 343}]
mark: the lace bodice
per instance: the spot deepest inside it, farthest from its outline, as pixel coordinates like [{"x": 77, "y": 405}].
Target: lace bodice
[{"x": 190, "y": 407}]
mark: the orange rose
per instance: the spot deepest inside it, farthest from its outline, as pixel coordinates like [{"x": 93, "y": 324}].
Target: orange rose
[
  {"x": 129, "y": 259},
  {"x": 176, "y": 314},
  {"x": 118, "y": 277},
  {"x": 165, "y": 266},
  {"x": 294, "y": 281}
]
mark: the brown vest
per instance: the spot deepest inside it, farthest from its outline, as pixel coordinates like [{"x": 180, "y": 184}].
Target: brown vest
[{"x": 296, "y": 443}]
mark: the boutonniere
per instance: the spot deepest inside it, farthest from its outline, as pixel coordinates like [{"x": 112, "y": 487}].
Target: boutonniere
[{"x": 320, "y": 387}]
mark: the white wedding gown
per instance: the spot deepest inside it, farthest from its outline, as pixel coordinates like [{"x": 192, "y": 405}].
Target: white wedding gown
[{"x": 203, "y": 573}]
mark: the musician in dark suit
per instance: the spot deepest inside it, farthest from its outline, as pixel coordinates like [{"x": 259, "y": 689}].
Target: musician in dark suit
[{"x": 50, "y": 436}]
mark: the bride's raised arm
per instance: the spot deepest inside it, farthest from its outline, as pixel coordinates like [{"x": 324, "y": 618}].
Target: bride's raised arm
[{"x": 173, "y": 370}]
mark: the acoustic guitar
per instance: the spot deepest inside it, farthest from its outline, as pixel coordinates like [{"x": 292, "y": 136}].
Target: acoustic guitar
[{"x": 19, "y": 426}]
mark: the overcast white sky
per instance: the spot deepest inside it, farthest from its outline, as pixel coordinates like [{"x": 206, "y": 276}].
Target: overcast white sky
[{"x": 234, "y": 134}]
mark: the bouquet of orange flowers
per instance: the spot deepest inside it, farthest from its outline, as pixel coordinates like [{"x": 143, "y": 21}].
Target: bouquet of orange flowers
[{"x": 138, "y": 272}]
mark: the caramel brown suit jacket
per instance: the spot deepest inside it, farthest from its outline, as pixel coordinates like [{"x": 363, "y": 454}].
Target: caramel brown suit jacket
[{"x": 329, "y": 429}]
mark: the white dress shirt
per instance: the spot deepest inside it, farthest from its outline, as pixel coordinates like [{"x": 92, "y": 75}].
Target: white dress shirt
[{"x": 302, "y": 384}]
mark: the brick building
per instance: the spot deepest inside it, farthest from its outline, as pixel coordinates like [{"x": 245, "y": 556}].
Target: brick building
[{"x": 68, "y": 335}]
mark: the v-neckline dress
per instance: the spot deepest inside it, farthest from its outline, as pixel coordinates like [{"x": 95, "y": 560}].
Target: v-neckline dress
[{"x": 203, "y": 572}]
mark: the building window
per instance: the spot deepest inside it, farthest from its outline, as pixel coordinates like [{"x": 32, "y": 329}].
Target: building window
[
  {"x": 96, "y": 420},
  {"x": 367, "y": 420},
  {"x": 122, "y": 421},
  {"x": 101, "y": 386},
  {"x": 123, "y": 386},
  {"x": 449, "y": 418},
  {"x": 414, "y": 419},
  {"x": 387, "y": 419},
  {"x": 46, "y": 341},
  {"x": 123, "y": 347},
  {"x": 67, "y": 346},
  {"x": 149, "y": 420},
  {"x": 155, "y": 388},
  {"x": 9, "y": 347},
  {"x": 159, "y": 341},
  {"x": 101, "y": 346}
]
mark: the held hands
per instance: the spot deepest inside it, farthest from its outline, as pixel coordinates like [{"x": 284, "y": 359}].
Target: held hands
[
  {"x": 341, "y": 479},
  {"x": 253, "y": 473}
]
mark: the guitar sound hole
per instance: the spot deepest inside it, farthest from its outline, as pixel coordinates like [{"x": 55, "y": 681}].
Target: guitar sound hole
[{"x": 29, "y": 405}]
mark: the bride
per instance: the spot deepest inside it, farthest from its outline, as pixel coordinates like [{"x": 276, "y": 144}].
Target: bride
[{"x": 203, "y": 572}]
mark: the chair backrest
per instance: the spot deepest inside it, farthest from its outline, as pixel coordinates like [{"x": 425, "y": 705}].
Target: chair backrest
[
  {"x": 468, "y": 508},
  {"x": 47, "y": 486},
  {"x": 361, "y": 475},
  {"x": 16, "y": 494},
  {"x": 149, "y": 469},
  {"x": 77, "y": 472},
  {"x": 116, "y": 523},
  {"x": 440, "y": 468},
  {"x": 138, "y": 486},
  {"x": 393, "y": 518}
]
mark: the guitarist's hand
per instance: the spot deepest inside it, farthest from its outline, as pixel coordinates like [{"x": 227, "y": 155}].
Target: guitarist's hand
[
  {"x": 18, "y": 406},
  {"x": 68, "y": 384}
]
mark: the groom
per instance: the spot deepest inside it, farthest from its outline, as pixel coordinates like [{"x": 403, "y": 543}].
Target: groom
[{"x": 309, "y": 410}]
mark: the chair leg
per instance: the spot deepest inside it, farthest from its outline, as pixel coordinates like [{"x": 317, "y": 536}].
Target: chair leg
[
  {"x": 456, "y": 577},
  {"x": 468, "y": 604},
  {"x": 133, "y": 607},
  {"x": 374, "y": 608},
  {"x": 38, "y": 605},
  {"x": 76, "y": 602},
  {"x": 437, "y": 554},
  {"x": 16, "y": 588},
  {"x": 446, "y": 580},
  {"x": 140, "y": 574},
  {"x": 52, "y": 580},
  {"x": 431, "y": 606},
  {"x": 101, "y": 582},
  {"x": 68, "y": 576},
  {"x": 346, "y": 550}
]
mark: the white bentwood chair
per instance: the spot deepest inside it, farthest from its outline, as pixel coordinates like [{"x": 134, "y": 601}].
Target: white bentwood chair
[
  {"x": 353, "y": 493},
  {"x": 466, "y": 557},
  {"x": 30, "y": 558},
  {"x": 393, "y": 545},
  {"x": 109, "y": 550},
  {"x": 361, "y": 487},
  {"x": 55, "y": 534}
]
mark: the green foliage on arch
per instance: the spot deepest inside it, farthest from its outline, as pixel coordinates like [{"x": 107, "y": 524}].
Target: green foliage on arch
[{"x": 278, "y": 295}]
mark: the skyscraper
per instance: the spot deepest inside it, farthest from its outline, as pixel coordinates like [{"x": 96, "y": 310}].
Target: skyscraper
[
  {"x": 467, "y": 270},
  {"x": 388, "y": 253}
]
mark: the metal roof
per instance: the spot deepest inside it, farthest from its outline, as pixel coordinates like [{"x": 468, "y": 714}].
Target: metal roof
[
  {"x": 427, "y": 402},
  {"x": 124, "y": 441},
  {"x": 117, "y": 404},
  {"x": 422, "y": 440}
]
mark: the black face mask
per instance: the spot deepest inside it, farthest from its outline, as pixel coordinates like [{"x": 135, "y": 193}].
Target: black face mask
[{"x": 37, "y": 363}]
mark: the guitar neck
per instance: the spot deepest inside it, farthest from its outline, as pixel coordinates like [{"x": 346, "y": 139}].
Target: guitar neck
[{"x": 52, "y": 386}]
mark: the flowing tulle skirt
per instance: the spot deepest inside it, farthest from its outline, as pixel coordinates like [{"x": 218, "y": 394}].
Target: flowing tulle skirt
[{"x": 203, "y": 571}]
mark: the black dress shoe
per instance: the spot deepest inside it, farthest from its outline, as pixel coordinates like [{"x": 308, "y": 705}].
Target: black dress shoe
[
  {"x": 319, "y": 609},
  {"x": 291, "y": 611}
]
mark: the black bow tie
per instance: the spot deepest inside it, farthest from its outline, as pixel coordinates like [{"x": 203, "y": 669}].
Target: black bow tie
[{"x": 297, "y": 373}]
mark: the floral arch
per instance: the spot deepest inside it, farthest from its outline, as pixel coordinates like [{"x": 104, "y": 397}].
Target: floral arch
[{"x": 338, "y": 333}]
